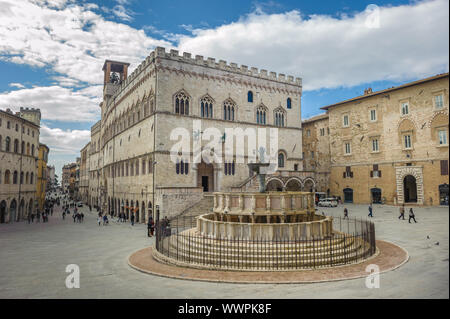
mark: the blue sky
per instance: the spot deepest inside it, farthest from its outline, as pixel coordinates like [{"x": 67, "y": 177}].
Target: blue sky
[{"x": 51, "y": 51}]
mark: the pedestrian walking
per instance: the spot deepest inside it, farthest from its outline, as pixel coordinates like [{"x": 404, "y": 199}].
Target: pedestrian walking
[
  {"x": 64, "y": 214},
  {"x": 150, "y": 227},
  {"x": 402, "y": 212},
  {"x": 99, "y": 220},
  {"x": 411, "y": 216},
  {"x": 82, "y": 217},
  {"x": 74, "y": 216},
  {"x": 132, "y": 219},
  {"x": 345, "y": 213},
  {"x": 370, "y": 211},
  {"x": 29, "y": 218},
  {"x": 38, "y": 217},
  {"x": 51, "y": 211},
  {"x": 32, "y": 218}
]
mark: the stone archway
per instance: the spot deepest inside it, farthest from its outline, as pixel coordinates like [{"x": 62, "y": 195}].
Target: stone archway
[
  {"x": 309, "y": 185},
  {"x": 205, "y": 176},
  {"x": 410, "y": 189},
  {"x": 3, "y": 212},
  {"x": 12, "y": 211},
  {"x": 274, "y": 185},
  {"x": 416, "y": 172},
  {"x": 294, "y": 185}
]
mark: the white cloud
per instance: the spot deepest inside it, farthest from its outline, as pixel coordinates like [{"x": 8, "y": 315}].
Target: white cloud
[
  {"x": 71, "y": 39},
  {"x": 329, "y": 52},
  {"x": 17, "y": 85},
  {"x": 64, "y": 141},
  {"x": 56, "y": 102}
]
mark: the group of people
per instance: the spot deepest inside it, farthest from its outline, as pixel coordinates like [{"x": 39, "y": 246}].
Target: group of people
[
  {"x": 402, "y": 213},
  {"x": 102, "y": 218}
]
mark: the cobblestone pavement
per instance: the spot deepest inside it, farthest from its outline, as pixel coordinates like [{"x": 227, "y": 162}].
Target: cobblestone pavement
[{"x": 33, "y": 259}]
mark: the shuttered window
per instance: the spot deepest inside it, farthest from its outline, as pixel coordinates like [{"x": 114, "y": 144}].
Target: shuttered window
[{"x": 444, "y": 167}]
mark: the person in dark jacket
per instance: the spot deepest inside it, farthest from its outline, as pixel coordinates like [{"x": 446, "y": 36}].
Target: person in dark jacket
[
  {"x": 132, "y": 219},
  {"x": 370, "y": 211},
  {"x": 345, "y": 213},
  {"x": 412, "y": 216},
  {"x": 402, "y": 212}
]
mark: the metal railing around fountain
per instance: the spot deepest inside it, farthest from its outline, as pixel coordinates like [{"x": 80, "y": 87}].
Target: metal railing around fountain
[{"x": 353, "y": 240}]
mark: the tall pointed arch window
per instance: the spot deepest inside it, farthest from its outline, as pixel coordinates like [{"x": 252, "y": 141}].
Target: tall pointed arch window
[
  {"x": 289, "y": 103},
  {"x": 206, "y": 107},
  {"x": 229, "y": 109},
  {"x": 181, "y": 103},
  {"x": 279, "y": 117},
  {"x": 261, "y": 114}
]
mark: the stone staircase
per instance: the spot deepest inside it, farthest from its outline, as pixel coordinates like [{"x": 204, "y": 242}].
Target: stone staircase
[
  {"x": 250, "y": 184},
  {"x": 204, "y": 206},
  {"x": 190, "y": 249}
]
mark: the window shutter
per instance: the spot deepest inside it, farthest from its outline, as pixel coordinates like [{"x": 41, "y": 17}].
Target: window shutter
[
  {"x": 444, "y": 167},
  {"x": 375, "y": 167},
  {"x": 351, "y": 174},
  {"x": 344, "y": 175},
  {"x": 379, "y": 173},
  {"x": 371, "y": 173}
]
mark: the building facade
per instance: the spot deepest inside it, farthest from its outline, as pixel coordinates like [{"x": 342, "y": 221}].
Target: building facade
[
  {"x": 42, "y": 177},
  {"x": 84, "y": 173},
  {"x": 316, "y": 151},
  {"x": 95, "y": 166},
  {"x": 391, "y": 146},
  {"x": 170, "y": 91},
  {"x": 19, "y": 144},
  {"x": 65, "y": 178}
]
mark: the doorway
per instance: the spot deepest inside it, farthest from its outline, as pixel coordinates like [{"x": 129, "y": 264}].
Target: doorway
[
  {"x": 376, "y": 195},
  {"x": 348, "y": 195},
  {"x": 410, "y": 189},
  {"x": 205, "y": 176},
  {"x": 443, "y": 194},
  {"x": 2, "y": 212}
]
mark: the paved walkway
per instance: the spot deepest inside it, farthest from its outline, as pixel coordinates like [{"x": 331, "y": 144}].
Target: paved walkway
[{"x": 33, "y": 259}]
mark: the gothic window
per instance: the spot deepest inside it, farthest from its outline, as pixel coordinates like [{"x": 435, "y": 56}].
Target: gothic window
[
  {"x": 288, "y": 103},
  {"x": 31, "y": 178},
  {"x": 280, "y": 160},
  {"x": 137, "y": 167},
  {"x": 229, "y": 108},
  {"x": 27, "y": 178},
  {"x": 15, "y": 177},
  {"x": 250, "y": 96},
  {"x": 143, "y": 166},
  {"x": 279, "y": 117},
  {"x": 32, "y": 150},
  {"x": 131, "y": 169},
  {"x": 181, "y": 103},
  {"x": 6, "y": 179},
  {"x": 182, "y": 167},
  {"x": 229, "y": 168},
  {"x": 21, "y": 178},
  {"x": 206, "y": 107},
  {"x": 261, "y": 114},
  {"x": 16, "y": 146},
  {"x": 7, "y": 144},
  {"x": 28, "y": 148}
]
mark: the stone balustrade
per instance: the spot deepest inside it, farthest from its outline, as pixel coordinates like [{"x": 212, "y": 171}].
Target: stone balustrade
[{"x": 318, "y": 228}]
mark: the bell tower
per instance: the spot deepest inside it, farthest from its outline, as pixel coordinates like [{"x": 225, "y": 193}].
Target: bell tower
[{"x": 114, "y": 74}]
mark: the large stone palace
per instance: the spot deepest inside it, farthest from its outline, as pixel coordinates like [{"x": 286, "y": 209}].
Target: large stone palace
[{"x": 130, "y": 166}]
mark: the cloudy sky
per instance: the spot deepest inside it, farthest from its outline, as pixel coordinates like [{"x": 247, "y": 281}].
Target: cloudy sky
[{"x": 52, "y": 51}]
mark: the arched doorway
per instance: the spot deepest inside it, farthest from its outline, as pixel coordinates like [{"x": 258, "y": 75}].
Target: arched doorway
[
  {"x": 12, "y": 211},
  {"x": 410, "y": 189},
  {"x": 376, "y": 195},
  {"x": 21, "y": 210},
  {"x": 309, "y": 186},
  {"x": 348, "y": 195},
  {"x": 205, "y": 176},
  {"x": 443, "y": 194},
  {"x": 274, "y": 185},
  {"x": 293, "y": 185},
  {"x": 30, "y": 207},
  {"x": 2, "y": 212}
]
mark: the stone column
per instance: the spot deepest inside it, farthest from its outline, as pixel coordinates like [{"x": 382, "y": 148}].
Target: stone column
[{"x": 268, "y": 202}]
